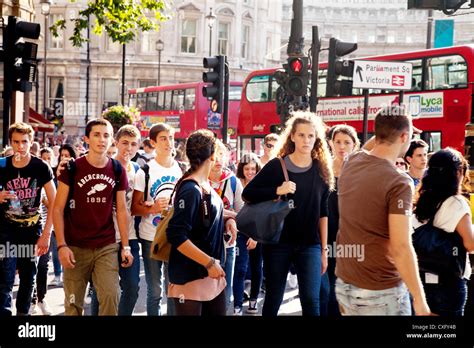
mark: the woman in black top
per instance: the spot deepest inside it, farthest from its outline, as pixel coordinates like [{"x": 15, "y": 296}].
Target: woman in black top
[
  {"x": 195, "y": 232},
  {"x": 304, "y": 237}
]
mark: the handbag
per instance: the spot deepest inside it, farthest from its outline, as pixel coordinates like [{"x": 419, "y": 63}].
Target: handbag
[
  {"x": 438, "y": 251},
  {"x": 263, "y": 222}
]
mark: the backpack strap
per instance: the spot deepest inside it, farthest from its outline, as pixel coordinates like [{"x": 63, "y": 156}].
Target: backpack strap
[
  {"x": 135, "y": 166},
  {"x": 223, "y": 190},
  {"x": 146, "y": 170},
  {"x": 117, "y": 166},
  {"x": 233, "y": 183},
  {"x": 71, "y": 168},
  {"x": 3, "y": 162}
]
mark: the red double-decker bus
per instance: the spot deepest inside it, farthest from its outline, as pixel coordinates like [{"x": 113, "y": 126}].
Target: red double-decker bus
[
  {"x": 440, "y": 99},
  {"x": 184, "y": 107}
]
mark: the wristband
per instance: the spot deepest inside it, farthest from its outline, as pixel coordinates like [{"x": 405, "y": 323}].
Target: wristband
[
  {"x": 61, "y": 246},
  {"x": 211, "y": 263},
  {"x": 229, "y": 218},
  {"x": 127, "y": 248}
]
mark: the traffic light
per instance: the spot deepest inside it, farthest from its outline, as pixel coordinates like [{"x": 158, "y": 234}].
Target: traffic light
[
  {"x": 337, "y": 68},
  {"x": 297, "y": 76},
  {"x": 20, "y": 67},
  {"x": 216, "y": 79}
]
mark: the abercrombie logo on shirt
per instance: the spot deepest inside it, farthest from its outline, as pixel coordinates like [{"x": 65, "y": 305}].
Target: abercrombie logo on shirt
[{"x": 93, "y": 194}]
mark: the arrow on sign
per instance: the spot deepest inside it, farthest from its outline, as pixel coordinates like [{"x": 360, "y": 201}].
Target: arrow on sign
[{"x": 359, "y": 71}]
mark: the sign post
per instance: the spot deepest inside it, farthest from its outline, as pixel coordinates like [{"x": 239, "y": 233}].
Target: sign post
[{"x": 369, "y": 74}]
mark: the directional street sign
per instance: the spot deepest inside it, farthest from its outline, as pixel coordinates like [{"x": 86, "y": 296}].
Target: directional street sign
[{"x": 382, "y": 75}]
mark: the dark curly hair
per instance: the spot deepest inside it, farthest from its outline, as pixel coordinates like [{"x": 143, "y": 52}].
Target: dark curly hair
[
  {"x": 200, "y": 145},
  {"x": 441, "y": 181}
]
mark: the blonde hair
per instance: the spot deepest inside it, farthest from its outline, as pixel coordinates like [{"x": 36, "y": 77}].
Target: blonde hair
[{"x": 320, "y": 150}]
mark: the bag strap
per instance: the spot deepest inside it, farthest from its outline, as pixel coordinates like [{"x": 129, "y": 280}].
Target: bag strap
[
  {"x": 146, "y": 170},
  {"x": 225, "y": 188},
  {"x": 283, "y": 166}
]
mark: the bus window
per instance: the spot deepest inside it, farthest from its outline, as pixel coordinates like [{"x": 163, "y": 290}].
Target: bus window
[
  {"x": 257, "y": 89},
  {"x": 178, "y": 100},
  {"x": 446, "y": 72},
  {"x": 416, "y": 80},
  {"x": 168, "y": 97},
  {"x": 132, "y": 100},
  {"x": 141, "y": 101},
  {"x": 235, "y": 93},
  {"x": 151, "y": 101},
  {"x": 161, "y": 101},
  {"x": 433, "y": 139},
  {"x": 190, "y": 99}
]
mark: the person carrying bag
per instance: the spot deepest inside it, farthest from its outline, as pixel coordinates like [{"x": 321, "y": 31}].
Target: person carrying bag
[{"x": 263, "y": 222}]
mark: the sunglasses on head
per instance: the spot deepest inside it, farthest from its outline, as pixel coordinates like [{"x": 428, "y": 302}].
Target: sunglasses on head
[{"x": 270, "y": 146}]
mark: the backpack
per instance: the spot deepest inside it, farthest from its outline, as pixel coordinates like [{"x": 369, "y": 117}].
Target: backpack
[{"x": 71, "y": 167}]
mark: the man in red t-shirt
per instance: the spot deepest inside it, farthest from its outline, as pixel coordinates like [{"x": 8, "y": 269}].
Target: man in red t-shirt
[{"x": 85, "y": 230}]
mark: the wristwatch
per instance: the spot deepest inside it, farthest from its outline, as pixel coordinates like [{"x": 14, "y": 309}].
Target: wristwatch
[{"x": 127, "y": 249}]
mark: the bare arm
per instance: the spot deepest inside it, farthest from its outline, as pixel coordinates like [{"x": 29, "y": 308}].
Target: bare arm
[
  {"x": 140, "y": 209},
  {"x": 190, "y": 250},
  {"x": 66, "y": 255},
  {"x": 43, "y": 241},
  {"x": 323, "y": 231},
  {"x": 122, "y": 222},
  {"x": 464, "y": 228},
  {"x": 401, "y": 249}
]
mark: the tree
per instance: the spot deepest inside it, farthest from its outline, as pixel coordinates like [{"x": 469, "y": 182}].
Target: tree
[{"x": 122, "y": 20}]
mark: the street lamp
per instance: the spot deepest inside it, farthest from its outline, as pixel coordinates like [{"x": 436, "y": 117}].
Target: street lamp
[
  {"x": 160, "y": 45},
  {"x": 211, "y": 19},
  {"x": 45, "y": 10}
]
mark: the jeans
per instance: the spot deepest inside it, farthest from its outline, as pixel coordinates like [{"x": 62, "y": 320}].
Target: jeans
[
  {"x": 27, "y": 272},
  {"x": 357, "y": 301},
  {"x": 129, "y": 280},
  {"x": 229, "y": 273},
  {"x": 42, "y": 277},
  {"x": 22, "y": 240},
  {"x": 241, "y": 270},
  {"x": 328, "y": 302},
  {"x": 153, "y": 273},
  {"x": 54, "y": 251},
  {"x": 448, "y": 297},
  {"x": 307, "y": 261}
]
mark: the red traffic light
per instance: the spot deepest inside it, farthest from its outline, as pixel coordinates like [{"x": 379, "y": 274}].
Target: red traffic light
[{"x": 296, "y": 65}]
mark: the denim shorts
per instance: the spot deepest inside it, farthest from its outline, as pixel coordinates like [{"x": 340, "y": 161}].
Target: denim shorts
[{"x": 357, "y": 301}]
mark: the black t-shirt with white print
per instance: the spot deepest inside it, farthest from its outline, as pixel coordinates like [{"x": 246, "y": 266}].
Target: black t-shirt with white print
[{"x": 26, "y": 183}]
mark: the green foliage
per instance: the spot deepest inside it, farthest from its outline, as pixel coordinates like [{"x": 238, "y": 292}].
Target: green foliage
[
  {"x": 119, "y": 116},
  {"x": 122, "y": 20}
]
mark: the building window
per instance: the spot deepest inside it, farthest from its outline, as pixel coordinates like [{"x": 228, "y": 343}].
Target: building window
[
  {"x": 55, "y": 42},
  {"x": 146, "y": 83},
  {"x": 245, "y": 41},
  {"x": 147, "y": 42},
  {"x": 223, "y": 38},
  {"x": 391, "y": 36},
  {"x": 188, "y": 36},
  {"x": 110, "y": 92},
  {"x": 56, "y": 95}
]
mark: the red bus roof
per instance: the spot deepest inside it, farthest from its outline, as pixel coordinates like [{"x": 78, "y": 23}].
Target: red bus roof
[
  {"x": 465, "y": 50},
  {"x": 176, "y": 86}
]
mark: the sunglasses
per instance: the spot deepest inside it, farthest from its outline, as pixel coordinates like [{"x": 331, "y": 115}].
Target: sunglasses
[
  {"x": 399, "y": 163},
  {"x": 270, "y": 146}
]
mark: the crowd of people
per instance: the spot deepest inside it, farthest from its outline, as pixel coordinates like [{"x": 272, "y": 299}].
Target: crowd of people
[{"x": 347, "y": 238}]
